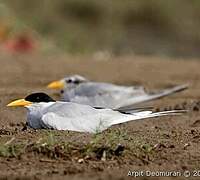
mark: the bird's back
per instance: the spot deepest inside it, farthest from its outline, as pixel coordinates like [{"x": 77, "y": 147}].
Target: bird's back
[{"x": 101, "y": 94}]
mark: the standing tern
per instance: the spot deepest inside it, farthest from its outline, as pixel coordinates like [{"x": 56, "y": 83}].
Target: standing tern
[
  {"x": 98, "y": 94},
  {"x": 44, "y": 112}
]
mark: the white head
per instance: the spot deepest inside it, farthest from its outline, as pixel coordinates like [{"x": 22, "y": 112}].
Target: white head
[{"x": 67, "y": 82}]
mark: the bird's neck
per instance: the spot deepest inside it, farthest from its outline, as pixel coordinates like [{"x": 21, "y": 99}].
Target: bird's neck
[
  {"x": 39, "y": 106},
  {"x": 71, "y": 86}
]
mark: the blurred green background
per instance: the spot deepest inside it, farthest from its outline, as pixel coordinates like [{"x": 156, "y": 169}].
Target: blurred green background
[{"x": 147, "y": 27}]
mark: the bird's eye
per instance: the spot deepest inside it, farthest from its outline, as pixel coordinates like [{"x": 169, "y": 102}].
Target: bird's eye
[{"x": 69, "y": 81}]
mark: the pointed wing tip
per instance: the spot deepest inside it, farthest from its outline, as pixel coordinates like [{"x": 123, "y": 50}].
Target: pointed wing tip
[
  {"x": 182, "y": 87},
  {"x": 176, "y": 112}
]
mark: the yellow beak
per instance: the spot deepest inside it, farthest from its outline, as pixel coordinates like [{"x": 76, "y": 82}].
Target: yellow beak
[
  {"x": 56, "y": 85},
  {"x": 19, "y": 102}
]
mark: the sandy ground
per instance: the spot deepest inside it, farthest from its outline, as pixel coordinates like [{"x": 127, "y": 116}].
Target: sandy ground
[{"x": 162, "y": 144}]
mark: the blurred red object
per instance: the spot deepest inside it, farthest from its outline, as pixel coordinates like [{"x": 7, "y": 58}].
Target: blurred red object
[{"x": 20, "y": 44}]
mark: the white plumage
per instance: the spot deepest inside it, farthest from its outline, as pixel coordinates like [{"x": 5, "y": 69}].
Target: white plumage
[{"x": 81, "y": 118}]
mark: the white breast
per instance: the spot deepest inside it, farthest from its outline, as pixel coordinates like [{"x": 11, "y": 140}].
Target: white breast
[{"x": 35, "y": 113}]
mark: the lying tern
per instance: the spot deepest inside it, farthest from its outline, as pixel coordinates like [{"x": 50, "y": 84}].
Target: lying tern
[
  {"x": 45, "y": 113},
  {"x": 99, "y": 94}
]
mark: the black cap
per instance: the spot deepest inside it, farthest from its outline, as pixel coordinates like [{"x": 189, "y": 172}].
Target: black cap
[{"x": 39, "y": 97}]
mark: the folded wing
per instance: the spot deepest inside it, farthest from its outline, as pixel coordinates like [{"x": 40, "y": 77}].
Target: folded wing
[{"x": 83, "y": 118}]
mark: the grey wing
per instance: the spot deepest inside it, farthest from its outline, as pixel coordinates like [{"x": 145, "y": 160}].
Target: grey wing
[
  {"x": 152, "y": 96},
  {"x": 94, "y": 88},
  {"x": 127, "y": 97},
  {"x": 76, "y": 117},
  {"x": 55, "y": 121},
  {"x": 104, "y": 119},
  {"x": 102, "y": 94},
  {"x": 97, "y": 88}
]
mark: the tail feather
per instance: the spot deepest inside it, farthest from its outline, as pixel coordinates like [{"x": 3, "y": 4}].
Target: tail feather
[
  {"x": 168, "y": 91},
  {"x": 158, "y": 95},
  {"x": 131, "y": 110},
  {"x": 147, "y": 114}
]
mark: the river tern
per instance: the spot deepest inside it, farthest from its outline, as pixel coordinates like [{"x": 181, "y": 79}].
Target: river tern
[
  {"x": 45, "y": 113},
  {"x": 80, "y": 90}
]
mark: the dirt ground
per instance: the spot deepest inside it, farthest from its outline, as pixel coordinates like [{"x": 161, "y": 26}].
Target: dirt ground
[{"x": 161, "y": 144}]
